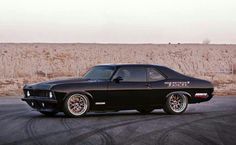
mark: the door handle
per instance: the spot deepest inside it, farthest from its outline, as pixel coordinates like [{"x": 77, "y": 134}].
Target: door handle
[{"x": 148, "y": 85}]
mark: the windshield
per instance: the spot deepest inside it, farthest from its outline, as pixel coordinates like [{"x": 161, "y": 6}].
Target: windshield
[{"x": 99, "y": 72}]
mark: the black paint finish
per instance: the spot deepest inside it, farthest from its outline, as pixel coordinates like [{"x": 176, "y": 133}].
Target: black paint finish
[{"x": 119, "y": 94}]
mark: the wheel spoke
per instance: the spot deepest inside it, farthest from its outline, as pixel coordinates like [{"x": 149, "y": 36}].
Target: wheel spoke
[
  {"x": 77, "y": 104},
  {"x": 177, "y": 102}
]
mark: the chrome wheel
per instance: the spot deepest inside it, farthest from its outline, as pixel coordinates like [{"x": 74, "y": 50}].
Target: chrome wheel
[
  {"x": 177, "y": 102},
  {"x": 77, "y": 104}
]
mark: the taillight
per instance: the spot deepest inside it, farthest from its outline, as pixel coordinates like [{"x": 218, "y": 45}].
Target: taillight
[{"x": 201, "y": 95}]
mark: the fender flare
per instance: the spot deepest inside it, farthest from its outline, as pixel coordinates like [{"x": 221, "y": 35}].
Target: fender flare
[
  {"x": 90, "y": 97},
  {"x": 179, "y": 92}
]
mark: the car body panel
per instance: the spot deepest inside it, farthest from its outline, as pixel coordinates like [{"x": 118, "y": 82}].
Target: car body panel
[{"x": 111, "y": 95}]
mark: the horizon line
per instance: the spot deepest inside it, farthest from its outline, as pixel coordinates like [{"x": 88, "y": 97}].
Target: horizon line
[{"x": 169, "y": 43}]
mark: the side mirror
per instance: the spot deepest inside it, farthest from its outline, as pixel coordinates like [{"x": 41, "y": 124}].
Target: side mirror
[{"x": 118, "y": 79}]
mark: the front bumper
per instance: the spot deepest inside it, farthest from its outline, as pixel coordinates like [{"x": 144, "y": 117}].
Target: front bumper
[{"x": 41, "y": 103}]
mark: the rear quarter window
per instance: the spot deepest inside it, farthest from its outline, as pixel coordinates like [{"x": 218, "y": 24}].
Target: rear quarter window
[{"x": 154, "y": 75}]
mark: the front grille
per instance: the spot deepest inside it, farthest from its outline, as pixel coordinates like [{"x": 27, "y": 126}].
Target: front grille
[{"x": 39, "y": 93}]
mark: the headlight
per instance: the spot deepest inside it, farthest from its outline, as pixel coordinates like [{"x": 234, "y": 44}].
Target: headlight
[
  {"x": 50, "y": 95},
  {"x": 27, "y": 93}
]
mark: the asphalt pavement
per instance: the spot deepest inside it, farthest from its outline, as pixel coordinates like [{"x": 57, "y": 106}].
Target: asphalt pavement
[{"x": 208, "y": 123}]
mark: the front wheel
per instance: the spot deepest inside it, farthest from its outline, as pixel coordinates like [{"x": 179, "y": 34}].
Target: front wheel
[
  {"x": 76, "y": 105},
  {"x": 176, "y": 104}
]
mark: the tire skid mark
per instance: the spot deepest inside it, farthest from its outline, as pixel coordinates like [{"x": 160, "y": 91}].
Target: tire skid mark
[
  {"x": 46, "y": 135},
  {"x": 105, "y": 137},
  {"x": 161, "y": 140},
  {"x": 12, "y": 114},
  {"x": 77, "y": 120},
  {"x": 30, "y": 131},
  {"x": 164, "y": 133},
  {"x": 65, "y": 124},
  {"x": 198, "y": 137},
  {"x": 13, "y": 117},
  {"x": 108, "y": 138},
  {"x": 69, "y": 129},
  {"x": 126, "y": 122},
  {"x": 10, "y": 111},
  {"x": 218, "y": 133},
  {"x": 128, "y": 132},
  {"x": 86, "y": 135},
  {"x": 218, "y": 127}
]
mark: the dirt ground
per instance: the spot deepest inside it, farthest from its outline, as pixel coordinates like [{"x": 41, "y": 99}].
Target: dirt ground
[{"x": 34, "y": 62}]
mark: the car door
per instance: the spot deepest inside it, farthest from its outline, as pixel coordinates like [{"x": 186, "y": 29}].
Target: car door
[
  {"x": 131, "y": 90},
  {"x": 157, "y": 89}
]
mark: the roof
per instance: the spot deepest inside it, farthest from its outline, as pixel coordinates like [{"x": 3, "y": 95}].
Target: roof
[
  {"x": 126, "y": 64},
  {"x": 163, "y": 69}
]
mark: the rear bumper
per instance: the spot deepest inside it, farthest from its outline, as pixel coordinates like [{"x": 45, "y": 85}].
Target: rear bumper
[
  {"x": 201, "y": 98},
  {"x": 41, "y": 103}
]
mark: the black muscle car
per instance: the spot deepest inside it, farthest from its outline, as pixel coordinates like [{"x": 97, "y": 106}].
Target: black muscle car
[{"x": 143, "y": 87}]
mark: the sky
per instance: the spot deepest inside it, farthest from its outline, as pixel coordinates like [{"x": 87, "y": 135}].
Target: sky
[{"x": 118, "y": 21}]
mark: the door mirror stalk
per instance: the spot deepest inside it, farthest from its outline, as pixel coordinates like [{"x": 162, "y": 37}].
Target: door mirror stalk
[{"x": 118, "y": 79}]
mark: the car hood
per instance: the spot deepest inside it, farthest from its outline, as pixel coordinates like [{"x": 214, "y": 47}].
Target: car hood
[{"x": 47, "y": 85}]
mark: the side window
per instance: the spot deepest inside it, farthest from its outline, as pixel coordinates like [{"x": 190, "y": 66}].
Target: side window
[
  {"x": 132, "y": 74},
  {"x": 154, "y": 75}
]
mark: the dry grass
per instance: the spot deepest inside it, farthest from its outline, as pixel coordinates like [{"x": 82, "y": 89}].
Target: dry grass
[{"x": 27, "y": 63}]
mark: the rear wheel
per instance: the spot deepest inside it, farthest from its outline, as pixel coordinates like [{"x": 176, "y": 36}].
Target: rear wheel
[
  {"x": 176, "y": 103},
  {"x": 145, "y": 110},
  {"x": 47, "y": 113},
  {"x": 76, "y": 105}
]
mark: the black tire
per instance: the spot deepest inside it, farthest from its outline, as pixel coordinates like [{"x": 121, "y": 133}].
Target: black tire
[
  {"x": 47, "y": 113},
  {"x": 68, "y": 110},
  {"x": 145, "y": 110},
  {"x": 172, "y": 108}
]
